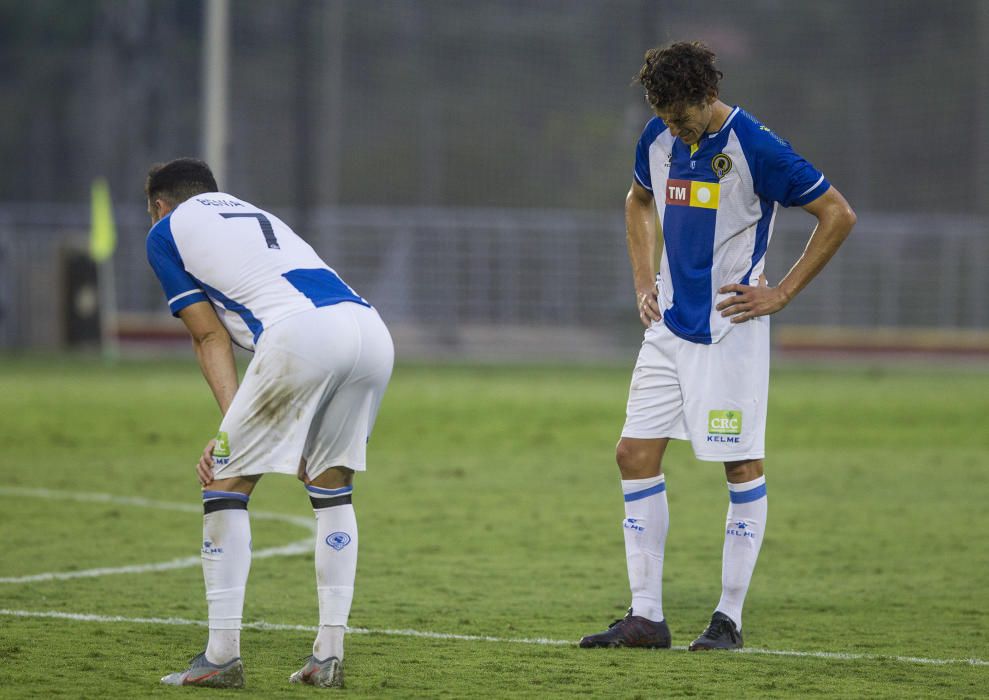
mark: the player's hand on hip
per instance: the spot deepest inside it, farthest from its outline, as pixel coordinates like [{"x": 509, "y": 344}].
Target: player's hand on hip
[
  {"x": 648, "y": 306},
  {"x": 748, "y": 302},
  {"x": 204, "y": 469}
]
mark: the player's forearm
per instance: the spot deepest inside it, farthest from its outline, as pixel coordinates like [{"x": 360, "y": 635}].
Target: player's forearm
[
  {"x": 216, "y": 359},
  {"x": 831, "y": 231},
  {"x": 640, "y": 235}
]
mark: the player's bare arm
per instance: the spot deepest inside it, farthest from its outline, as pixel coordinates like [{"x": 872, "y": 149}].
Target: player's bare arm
[
  {"x": 216, "y": 359},
  {"x": 640, "y": 233},
  {"x": 835, "y": 220}
]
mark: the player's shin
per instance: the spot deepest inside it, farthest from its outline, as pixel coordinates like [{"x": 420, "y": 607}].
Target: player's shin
[
  {"x": 226, "y": 558},
  {"x": 744, "y": 530},
  {"x": 336, "y": 565},
  {"x": 647, "y": 518}
]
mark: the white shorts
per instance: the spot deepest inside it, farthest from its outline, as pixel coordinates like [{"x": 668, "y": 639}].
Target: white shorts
[
  {"x": 713, "y": 395},
  {"x": 312, "y": 391}
]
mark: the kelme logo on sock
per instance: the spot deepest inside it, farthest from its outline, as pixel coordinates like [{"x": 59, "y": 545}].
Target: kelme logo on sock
[
  {"x": 637, "y": 524},
  {"x": 222, "y": 447},
  {"x": 724, "y": 422}
]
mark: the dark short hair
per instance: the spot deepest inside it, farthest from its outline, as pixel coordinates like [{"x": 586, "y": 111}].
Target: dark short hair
[
  {"x": 178, "y": 180},
  {"x": 678, "y": 75}
]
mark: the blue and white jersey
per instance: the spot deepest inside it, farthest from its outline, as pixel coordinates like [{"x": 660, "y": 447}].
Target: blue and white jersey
[
  {"x": 717, "y": 201},
  {"x": 247, "y": 263}
]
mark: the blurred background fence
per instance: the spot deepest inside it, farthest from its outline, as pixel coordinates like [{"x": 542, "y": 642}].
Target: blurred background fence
[{"x": 464, "y": 164}]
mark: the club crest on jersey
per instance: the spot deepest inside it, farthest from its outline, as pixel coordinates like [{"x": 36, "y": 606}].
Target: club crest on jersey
[
  {"x": 689, "y": 193},
  {"x": 721, "y": 165}
]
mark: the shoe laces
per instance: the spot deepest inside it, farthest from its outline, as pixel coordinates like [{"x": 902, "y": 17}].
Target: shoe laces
[
  {"x": 719, "y": 625},
  {"x": 621, "y": 620}
]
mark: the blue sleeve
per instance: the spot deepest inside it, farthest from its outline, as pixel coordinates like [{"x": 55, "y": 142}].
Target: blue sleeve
[
  {"x": 780, "y": 174},
  {"x": 181, "y": 288},
  {"x": 653, "y": 129}
]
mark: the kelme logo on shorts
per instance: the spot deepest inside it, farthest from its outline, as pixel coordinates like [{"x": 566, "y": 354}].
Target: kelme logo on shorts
[
  {"x": 724, "y": 422},
  {"x": 222, "y": 447}
]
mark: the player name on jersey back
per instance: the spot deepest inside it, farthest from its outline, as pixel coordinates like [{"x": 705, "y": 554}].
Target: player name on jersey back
[{"x": 208, "y": 202}]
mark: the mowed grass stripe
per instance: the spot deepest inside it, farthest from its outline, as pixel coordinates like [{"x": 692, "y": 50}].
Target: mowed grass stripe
[{"x": 279, "y": 627}]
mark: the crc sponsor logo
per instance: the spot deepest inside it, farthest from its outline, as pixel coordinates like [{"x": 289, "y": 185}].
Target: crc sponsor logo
[
  {"x": 221, "y": 450},
  {"x": 724, "y": 427},
  {"x": 338, "y": 540},
  {"x": 208, "y": 548},
  {"x": 740, "y": 529},
  {"x": 636, "y": 524},
  {"x": 690, "y": 193},
  {"x": 222, "y": 446},
  {"x": 724, "y": 422}
]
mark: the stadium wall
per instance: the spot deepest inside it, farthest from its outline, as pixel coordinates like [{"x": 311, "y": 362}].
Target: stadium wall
[{"x": 530, "y": 284}]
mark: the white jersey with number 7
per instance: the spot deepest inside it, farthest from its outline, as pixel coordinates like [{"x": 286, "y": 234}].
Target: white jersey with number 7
[{"x": 246, "y": 262}]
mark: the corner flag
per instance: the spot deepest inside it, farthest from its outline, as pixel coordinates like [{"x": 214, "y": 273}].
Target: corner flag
[{"x": 102, "y": 229}]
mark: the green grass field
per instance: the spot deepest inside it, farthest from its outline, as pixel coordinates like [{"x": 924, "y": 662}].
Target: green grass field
[{"x": 492, "y": 507}]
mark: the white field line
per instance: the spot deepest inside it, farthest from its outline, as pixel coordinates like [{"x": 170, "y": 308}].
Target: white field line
[
  {"x": 299, "y": 547},
  {"x": 305, "y": 546},
  {"x": 541, "y": 641}
]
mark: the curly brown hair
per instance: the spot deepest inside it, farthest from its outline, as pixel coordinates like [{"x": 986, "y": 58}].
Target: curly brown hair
[{"x": 679, "y": 74}]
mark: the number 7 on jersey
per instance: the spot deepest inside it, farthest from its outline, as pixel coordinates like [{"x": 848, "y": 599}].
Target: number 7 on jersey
[{"x": 266, "y": 228}]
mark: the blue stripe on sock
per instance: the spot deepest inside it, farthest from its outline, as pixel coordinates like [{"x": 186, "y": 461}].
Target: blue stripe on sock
[
  {"x": 330, "y": 492},
  {"x": 207, "y": 495},
  {"x": 747, "y": 496},
  {"x": 645, "y": 493}
]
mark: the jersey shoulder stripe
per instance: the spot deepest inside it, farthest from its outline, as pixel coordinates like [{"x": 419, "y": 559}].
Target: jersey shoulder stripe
[
  {"x": 181, "y": 288},
  {"x": 654, "y": 127},
  {"x": 778, "y": 172}
]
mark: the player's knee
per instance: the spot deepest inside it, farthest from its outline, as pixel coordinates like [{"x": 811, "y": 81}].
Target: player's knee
[
  {"x": 635, "y": 461},
  {"x": 334, "y": 478},
  {"x": 740, "y": 472},
  {"x": 239, "y": 484}
]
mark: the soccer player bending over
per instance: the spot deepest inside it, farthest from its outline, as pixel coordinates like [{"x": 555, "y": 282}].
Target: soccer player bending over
[
  {"x": 715, "y": 176},
  {"x": 322, "y": 360}
]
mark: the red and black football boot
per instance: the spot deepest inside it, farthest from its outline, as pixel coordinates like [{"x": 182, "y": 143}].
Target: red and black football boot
[{"x": 631, "y": 631}]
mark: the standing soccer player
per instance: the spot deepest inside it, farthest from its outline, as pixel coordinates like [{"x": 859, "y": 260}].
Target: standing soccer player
[
  {"x": 322, "y": 360},
  {"x": 715, "y": 176}
]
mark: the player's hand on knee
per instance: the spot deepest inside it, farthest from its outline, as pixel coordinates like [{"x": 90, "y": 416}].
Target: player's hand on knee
[{"x": 204, "y": 469}]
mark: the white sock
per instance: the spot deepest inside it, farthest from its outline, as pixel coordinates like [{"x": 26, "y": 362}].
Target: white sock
[
  {"x": 744, "y": 529},
  {"x": 226, "y": 557},
  {"x": 336, "y": 566},
  {"x": 647, "y": 519}
]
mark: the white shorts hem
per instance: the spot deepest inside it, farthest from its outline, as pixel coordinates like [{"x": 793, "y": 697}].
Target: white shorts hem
[
  {"x": 248, "y": 470},
  {"x": 330, "y": 464},
  {"x": 728, "y": 458},
  {"x": 636, "y": 435}
]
